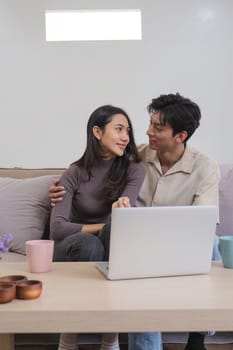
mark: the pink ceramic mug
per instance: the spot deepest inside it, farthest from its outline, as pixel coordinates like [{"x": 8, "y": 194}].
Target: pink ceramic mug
[{"x": 39, "y": 255}]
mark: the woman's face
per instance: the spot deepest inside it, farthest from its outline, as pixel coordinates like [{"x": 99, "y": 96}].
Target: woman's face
[{"x": 114, "y": 138}]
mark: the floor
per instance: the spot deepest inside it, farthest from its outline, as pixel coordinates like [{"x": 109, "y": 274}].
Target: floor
[{"x": 124, "y": 347}]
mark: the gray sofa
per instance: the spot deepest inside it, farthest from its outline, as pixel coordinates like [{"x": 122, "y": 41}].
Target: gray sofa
[{"x": 25, "y": 212}]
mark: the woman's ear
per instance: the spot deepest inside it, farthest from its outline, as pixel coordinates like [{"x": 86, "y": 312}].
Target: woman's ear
[{"x": 97, "y": 132}]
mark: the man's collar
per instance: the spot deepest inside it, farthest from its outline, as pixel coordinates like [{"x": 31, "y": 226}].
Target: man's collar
[{"x": 184, "y": 164}]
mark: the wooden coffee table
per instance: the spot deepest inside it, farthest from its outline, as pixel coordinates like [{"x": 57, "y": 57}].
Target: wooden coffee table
[{"x": 77, "y": 298}]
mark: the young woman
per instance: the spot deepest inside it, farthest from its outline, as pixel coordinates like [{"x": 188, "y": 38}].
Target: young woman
[{"x": 108, "y": 174}]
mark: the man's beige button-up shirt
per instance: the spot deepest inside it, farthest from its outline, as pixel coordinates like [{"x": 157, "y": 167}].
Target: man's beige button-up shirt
[{"x": 193, "y": 180}]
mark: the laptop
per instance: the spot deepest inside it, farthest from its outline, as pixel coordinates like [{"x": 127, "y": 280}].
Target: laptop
[{"x": 160, "y": 241}]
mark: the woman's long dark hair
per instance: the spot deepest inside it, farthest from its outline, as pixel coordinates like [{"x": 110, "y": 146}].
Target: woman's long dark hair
[{"x": 116, "y": 178}]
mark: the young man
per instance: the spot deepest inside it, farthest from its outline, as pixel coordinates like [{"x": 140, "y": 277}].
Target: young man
[{"x": 175, "y": 175}]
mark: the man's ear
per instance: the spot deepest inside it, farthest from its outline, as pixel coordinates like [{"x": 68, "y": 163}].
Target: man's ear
[
  {"x": 97, "y": 132},
  {"x": 181, "y": 136}
]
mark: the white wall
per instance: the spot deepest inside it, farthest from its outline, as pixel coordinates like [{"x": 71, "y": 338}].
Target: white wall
[{"x": 48, "y": 90}]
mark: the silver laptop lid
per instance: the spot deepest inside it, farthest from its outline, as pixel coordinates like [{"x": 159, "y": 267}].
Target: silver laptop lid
[{"x": 161, "y": 241}]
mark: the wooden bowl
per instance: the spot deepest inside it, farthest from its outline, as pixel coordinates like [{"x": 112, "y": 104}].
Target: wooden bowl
[
  {"x": 13, "y": 278},
  {"x": 7, "y": 292},
  {"x": 29, "y": 289}
]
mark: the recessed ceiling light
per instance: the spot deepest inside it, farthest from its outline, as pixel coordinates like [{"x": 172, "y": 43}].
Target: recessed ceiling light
[{"x": 93, "y": 25}]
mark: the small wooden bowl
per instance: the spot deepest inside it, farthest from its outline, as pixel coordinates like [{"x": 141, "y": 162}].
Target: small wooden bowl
[
  {"x": 13, "y": 278},
  {"x": 29, "y": 289},
  {"x": 7, "y": 292}
]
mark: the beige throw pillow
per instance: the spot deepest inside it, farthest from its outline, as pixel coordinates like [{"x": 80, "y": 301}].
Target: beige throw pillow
[{"x": 24, "y": 209}]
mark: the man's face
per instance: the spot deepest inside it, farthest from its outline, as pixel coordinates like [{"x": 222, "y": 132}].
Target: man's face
[{"x": 160, "y": 136}]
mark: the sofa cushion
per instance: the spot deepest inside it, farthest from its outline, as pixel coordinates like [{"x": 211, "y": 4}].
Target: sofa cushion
[
  {"x": 24, "y": 209},
  {"x": 23, "y": 173},
  {"x": 225, "y": 226},
  {"x": 13, "y": 257}
]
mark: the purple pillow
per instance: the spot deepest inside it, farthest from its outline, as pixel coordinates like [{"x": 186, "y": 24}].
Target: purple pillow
[{"x": 225, "y": 227}]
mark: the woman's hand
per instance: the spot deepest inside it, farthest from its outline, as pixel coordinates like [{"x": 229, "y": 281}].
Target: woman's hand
[
  {"x": 122, "y": 202},
  {"x": 56, "y": 193}
]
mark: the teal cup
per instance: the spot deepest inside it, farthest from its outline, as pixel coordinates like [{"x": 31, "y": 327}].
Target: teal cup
[{"x": 226, "y": 251}]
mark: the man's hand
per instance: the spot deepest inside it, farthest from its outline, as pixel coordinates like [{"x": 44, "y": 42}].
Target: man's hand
[
  {"x": 92, "y": 228},
  {"x": 122, "y": 202},
  {"x": 56, "y": 193}
]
